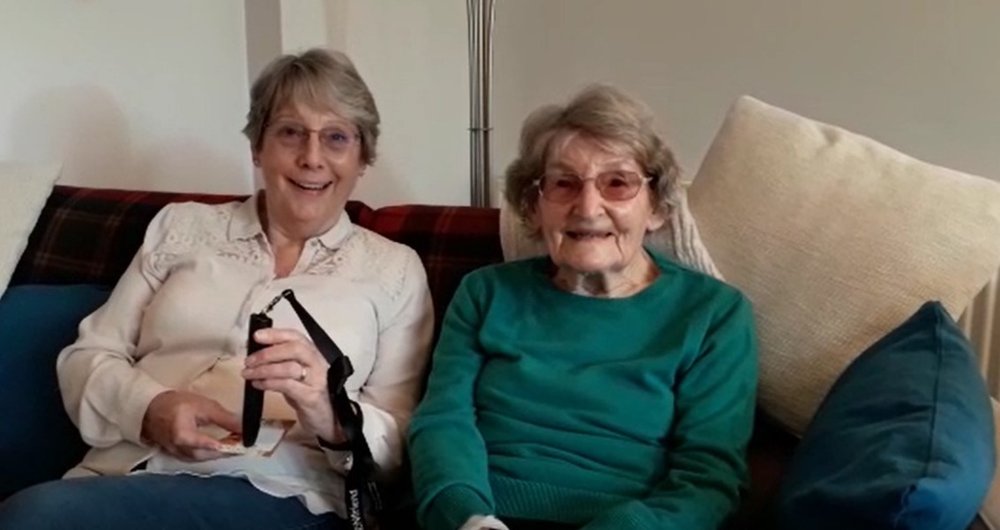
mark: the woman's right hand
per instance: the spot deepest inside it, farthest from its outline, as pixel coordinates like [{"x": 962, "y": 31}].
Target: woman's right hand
[{"x": 172, "y": 420}]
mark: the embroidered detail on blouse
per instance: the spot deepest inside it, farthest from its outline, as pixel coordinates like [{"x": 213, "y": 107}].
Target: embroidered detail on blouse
[
  {"x": 194, "y": 227},
  {"x": 365, "y": 256}
]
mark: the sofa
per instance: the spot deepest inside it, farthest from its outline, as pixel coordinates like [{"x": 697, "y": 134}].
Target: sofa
[
  {"x": 834, "y": 238},
  {"x": 88, "y": 236}
]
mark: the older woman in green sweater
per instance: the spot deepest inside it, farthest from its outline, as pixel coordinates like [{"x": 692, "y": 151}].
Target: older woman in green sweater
[{"x": 601, "y": 386}]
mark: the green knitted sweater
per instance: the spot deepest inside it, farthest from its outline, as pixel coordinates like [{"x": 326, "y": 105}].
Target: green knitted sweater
[{"x": 606, "y": 413}]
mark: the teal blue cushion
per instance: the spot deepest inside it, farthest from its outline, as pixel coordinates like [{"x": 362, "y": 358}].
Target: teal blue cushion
[
  {"x": 37, "y": 440},
  {"x": 903, "y": 440}
]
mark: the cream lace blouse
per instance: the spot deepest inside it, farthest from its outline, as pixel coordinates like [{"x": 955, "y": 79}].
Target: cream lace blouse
[{"x": 178, "y": 320}]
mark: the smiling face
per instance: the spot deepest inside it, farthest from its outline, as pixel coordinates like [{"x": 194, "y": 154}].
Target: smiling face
[
  {"x": 311, "y": 161},
  {"x": 591, "y": 235}
]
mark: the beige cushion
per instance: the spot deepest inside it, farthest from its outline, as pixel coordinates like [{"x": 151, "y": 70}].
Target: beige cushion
[
  {"x": 836, "y": 239},
  {"x": 515, "y": 239},
  {"x": 25, "y": 189}
]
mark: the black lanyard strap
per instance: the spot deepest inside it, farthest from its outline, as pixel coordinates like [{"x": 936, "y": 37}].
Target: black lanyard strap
[{"x": 359, "y": 485}]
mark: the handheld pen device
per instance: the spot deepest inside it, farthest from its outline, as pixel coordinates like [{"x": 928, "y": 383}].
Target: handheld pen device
[{"x": 253, "y": 398}]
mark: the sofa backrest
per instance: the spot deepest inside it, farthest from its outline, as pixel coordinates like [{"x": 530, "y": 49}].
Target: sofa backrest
[{"x": 87, "y": 235}]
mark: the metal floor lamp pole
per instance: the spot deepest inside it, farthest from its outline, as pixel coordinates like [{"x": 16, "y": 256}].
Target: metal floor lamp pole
[{"x": 480, "y": 20}]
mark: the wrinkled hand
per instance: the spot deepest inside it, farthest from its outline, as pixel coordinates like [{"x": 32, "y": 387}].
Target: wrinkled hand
[
  {"x": 172, "y": 420},
  {"x": 483, "y": 522},
  {"x": 291, "y": 365}
]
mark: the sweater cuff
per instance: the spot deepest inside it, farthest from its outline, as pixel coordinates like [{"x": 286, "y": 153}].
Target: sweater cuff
[
  {"x": 453, "y": 507},
  {"x": 632, "y": 515}
]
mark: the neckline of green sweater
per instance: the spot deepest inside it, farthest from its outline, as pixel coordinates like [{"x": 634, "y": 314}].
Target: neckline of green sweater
[{"x": 541, "y": 270}]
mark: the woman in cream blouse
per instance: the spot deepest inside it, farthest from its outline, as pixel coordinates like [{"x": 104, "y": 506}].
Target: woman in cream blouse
[{"x": 157, "y": 374}]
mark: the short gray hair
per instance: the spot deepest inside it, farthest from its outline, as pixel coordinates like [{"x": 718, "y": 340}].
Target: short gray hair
[
  {"x": 321, "y": 79},
  {"x": 607, "y": 115}
]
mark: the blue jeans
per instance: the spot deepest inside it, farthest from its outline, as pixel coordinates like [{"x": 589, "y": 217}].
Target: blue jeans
[{"x": 157, "y": 502}]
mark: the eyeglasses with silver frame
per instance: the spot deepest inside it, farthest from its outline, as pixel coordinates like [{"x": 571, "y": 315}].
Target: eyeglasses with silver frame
[{"x": 293, "y": 135}]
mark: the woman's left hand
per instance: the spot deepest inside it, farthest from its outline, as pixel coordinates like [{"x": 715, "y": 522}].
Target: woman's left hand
[{"x": 291, "y": 365}]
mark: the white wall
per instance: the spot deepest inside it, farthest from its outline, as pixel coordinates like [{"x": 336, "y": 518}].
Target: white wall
[
  {"x": 127, "y": 93},
  {"x": 148, "y": 94},
  {"x": 922, "y": 76},
  {"x": 152, "y": 94},
  {"x": 264, "y": 32},
  {"x": 413, "y": 55},
  {"x": 303, "y": 24}
]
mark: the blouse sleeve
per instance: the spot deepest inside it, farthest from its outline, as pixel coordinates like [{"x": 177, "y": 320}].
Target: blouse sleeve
[
  {"x": 104, "y": 394},
  {"x": 393, "y": 388}
]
